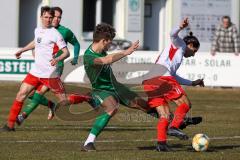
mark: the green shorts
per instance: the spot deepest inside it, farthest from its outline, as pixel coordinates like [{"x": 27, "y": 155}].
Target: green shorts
[{"x": 121, "y": 93}]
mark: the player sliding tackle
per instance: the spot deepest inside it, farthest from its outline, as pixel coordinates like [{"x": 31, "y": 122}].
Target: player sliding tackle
[{"x": 171, "y": 58}]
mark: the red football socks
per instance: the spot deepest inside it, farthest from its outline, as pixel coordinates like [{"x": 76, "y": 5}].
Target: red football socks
[
  {"x": 179, "y": 115},
  {"x": 14, "y": 111},
  {"x": 76, "y": 98},
  {"x": 162, "y": 127}
]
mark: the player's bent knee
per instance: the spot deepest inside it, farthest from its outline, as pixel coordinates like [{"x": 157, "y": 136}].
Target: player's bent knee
[
  {"x": 112, "y": 111},
  {"x": 165, "y": 116},
  {"x": 183, "y": 101},
  {"x": 187, "y": 102},
  {"x": 21, "y": 96},
  {"x": 190, "y": 105}
]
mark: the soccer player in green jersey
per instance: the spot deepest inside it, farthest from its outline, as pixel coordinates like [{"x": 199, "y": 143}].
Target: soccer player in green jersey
[
  {"x": 106, "y": 91},
  {"x": 68, "y": 36}
]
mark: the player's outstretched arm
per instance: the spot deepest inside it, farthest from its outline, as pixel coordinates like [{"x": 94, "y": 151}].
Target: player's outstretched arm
[
  {"x": 187, "y": 82},
  {"x": 111, "y": 58},
  {"x": 29, "y": 46},
  {"x": 182, "y": 80},
  {"x": 184, "y": 23},
  {"x": 71, "y": 38},
  {"x": 175, "y": 39}
]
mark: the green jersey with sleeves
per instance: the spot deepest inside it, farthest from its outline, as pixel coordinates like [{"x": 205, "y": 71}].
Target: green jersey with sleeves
[
  {"x": 68, "y": 36},
  {"x": 100, "y": 76}
]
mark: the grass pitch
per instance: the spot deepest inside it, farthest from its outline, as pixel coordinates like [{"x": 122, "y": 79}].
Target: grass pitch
[{"x": 129, "y": 135}]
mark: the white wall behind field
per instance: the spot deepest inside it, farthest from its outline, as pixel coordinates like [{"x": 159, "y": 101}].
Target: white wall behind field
[
  {"x": 71, "y": 15},
  {"x": 19, "y": 18},
  {"x": 9, "y": 23}
]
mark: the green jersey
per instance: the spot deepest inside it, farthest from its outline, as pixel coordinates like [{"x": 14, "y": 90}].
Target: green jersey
[
  {"x": 103, "y": 81},
  {"x": 100, "y": 76},
  {"x": 68, "y": 36}
]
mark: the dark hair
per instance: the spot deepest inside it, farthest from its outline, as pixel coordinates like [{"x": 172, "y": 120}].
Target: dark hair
[
  {"x": 47, "y": 9},
  {"x": 191, "y": 39},
  {"x": 57, "y": 9},
  {"x": 227, "y": 17},
  {"x": 103, "y": 31}
]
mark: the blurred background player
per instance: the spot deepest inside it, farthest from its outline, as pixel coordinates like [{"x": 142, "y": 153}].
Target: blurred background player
[
  {"x": 171, "y": 58},
  {"x": 226, "y": 38},
  {"x": 42, "y": 73},
  {"x": 68, "y": 36}
]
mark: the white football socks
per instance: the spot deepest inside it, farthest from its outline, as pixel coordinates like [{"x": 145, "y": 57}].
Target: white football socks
[{"x": 91, "y": 138}]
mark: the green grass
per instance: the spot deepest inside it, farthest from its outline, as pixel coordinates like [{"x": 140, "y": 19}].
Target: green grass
[{"x": 129, "y": 135}]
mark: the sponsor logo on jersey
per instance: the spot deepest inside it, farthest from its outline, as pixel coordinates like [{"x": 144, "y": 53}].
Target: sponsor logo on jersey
[{"x": 39, "y": 39}]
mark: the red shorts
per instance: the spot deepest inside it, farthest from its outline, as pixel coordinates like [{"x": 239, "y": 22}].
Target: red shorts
[
  {"x": 162, "y": 89},
  {"x": 54, "y": 84}
]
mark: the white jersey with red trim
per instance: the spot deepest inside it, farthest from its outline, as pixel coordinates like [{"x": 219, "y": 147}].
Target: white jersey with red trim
[
  {"x": 48, "y": 41},
  {"x": 172, "y": 56}
]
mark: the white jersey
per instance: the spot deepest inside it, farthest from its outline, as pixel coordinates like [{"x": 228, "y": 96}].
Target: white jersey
[
  {"x": 48, "y": 42},
  {"x": 172, "y": 57}
]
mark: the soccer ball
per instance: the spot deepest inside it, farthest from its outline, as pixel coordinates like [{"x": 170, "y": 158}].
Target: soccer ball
[{"x": 200, "y": 142}]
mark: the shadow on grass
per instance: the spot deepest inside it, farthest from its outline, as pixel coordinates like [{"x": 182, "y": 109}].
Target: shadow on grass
[
  {"x": 174, "y": 147},
  {"x": 222, "y": 147},
  {"x": 82, "y": 128},
  {"x": 188, "y": 148}
]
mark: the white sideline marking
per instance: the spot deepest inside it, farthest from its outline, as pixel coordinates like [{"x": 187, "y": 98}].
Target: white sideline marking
[{"x": 104, "y": 141}]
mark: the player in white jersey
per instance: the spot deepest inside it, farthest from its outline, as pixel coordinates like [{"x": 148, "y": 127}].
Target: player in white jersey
[
  {"x": 171, "y": 58},
  {"x": 42, "y": 76}
]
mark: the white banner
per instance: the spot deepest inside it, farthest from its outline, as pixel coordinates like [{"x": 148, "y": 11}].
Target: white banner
[{"x": 219, "y": 70}]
